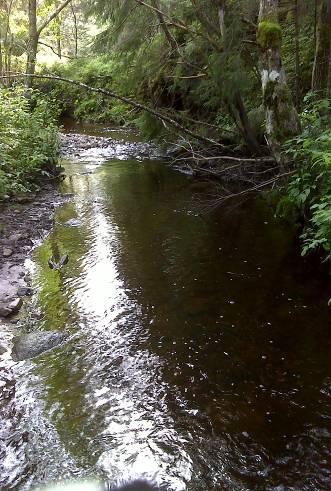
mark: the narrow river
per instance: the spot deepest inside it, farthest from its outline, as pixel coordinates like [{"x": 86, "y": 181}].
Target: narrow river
[{"x": 198, "y": 354}]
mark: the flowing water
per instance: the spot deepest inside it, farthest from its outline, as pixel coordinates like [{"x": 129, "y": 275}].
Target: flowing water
[{"x": 198, "y": 354}]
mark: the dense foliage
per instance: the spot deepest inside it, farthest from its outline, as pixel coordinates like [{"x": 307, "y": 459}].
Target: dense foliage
[
  {"x": 28, "y": 141},
  {"x": 309, "y": 190}
]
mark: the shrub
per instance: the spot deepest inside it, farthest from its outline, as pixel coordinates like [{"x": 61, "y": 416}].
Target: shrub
[
  {"x": 309, "y": 190},
  {"x": 28, "y": 140}
]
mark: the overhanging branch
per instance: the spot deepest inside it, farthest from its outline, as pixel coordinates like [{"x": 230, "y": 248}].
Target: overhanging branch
[{"x": 126, "y": 100}]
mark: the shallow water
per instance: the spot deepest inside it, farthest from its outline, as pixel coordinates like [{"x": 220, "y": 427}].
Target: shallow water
[{"x": 199, "y": 351}]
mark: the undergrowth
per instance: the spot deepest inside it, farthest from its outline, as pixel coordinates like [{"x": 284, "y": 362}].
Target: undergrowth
[
  {"x": 28, "y": 141},
  {"x": 309, "y": 190}
]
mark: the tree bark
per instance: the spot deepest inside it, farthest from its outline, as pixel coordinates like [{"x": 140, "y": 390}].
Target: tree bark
[
  {"x": 297, "y": 56},
  {"x": 34, "y": 34},
  {"x": 221, "y": 15},
  {"x": 32, "y": 43},
  {"x": 281, "y": 116},
  {"x": 323, "y": 49},
  {"x": 75, "y": 29},
  {"x": 170, "y": 38},
  {"x": 238, "y": 112}
]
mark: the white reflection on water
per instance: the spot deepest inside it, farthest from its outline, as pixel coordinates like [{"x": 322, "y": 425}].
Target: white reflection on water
[{"x": 125, "y": 398}]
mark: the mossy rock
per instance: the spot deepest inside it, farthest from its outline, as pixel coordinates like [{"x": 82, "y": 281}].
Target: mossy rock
[{"x": 269, "y": 35}]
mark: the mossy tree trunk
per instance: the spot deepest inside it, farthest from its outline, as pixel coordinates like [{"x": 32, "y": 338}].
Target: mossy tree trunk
[
  {"x": 281, "y": 116},
  {"x": 323, "y": 48}
]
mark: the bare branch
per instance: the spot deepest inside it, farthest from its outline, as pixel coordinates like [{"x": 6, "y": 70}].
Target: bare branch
[{"x": 55, "y": 52}]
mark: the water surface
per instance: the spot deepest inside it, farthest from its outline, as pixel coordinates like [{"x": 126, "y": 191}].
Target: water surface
[{"x": 199, "y": 354}]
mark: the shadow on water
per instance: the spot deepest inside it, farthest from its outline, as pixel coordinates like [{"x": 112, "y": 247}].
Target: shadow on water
[{"x": 200, "y": 343}]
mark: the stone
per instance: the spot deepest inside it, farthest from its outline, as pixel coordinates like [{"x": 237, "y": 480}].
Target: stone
[
  {"x": 25, "y": 291},
  {"x": 32, "y": 344},
  {"x": 4, "y": 311},
  {"x": 15, "y": 237},
  {"x": 15, "y": 305},
  {"x": 73, "y": 222},
  {"x": 2, "y": 350},
  {"x": 6, "y": 252}
]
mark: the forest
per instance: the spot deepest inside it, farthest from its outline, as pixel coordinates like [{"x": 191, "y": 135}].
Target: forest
[
  {"x": 165, "y": 243},
  {"x": 242, "y": 87}
]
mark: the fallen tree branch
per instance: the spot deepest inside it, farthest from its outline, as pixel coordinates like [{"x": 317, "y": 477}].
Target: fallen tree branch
[
  {"x": 253, "y": 189},
  {"x": 126, "y": 100},
  {"x": 236, "y": 159}
]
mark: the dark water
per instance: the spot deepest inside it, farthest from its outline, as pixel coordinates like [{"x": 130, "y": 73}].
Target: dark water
[{"x": 200, "y": 343}]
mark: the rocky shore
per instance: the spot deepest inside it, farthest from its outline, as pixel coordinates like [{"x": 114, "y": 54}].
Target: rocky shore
[{"x": 24, "y": 223}]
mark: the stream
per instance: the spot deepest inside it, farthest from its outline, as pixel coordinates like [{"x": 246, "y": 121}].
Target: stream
[{"x": 198, "y": 352}]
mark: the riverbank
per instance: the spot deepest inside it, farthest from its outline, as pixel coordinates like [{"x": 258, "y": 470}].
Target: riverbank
[{"x": 24, "y": 224}]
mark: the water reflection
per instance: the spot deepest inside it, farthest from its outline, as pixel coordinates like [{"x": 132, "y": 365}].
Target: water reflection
[{"x": 200, "y": 349}]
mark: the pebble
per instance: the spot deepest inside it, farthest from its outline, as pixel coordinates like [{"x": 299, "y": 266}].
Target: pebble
[{"x": 6, "y": 252}]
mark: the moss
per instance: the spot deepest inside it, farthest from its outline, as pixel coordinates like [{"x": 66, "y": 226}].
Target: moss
[{"x": 269, "y": 35}]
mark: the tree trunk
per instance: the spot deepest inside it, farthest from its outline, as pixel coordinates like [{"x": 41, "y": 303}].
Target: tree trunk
[
  {"x": 32, "y": 43},
  {"x": 239, "y": 114},
  {"x": 221, "y": 15},
  {"x": 297, "y": 57},
  {"x": 34, "y": 34},
  {"x": 171, "y": 40},
  {"x": 75, "y": 29},
  {"x": 281, "y": 116},
  {"x": 323, "y": 49}
]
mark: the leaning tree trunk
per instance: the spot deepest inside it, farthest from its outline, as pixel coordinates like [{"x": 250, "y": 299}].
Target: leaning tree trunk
[
  {"x": 281, "y": 116},
  {"x": 323, "y": 49}
]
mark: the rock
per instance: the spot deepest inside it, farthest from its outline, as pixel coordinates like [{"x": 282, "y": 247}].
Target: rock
[
  {"x": 2, "y": 350},
  {"x": 15, "y": 237},
  {"x": 6, "y": 252},
  {"x": 15, "y": 305},
  {"x": 30, "y": 345},
  {"x": 25, "y": 291},
  {"x": 24, "y": 198},
  {"x": 73, "y": 222},
  {"x": 4, "y": 311}
]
